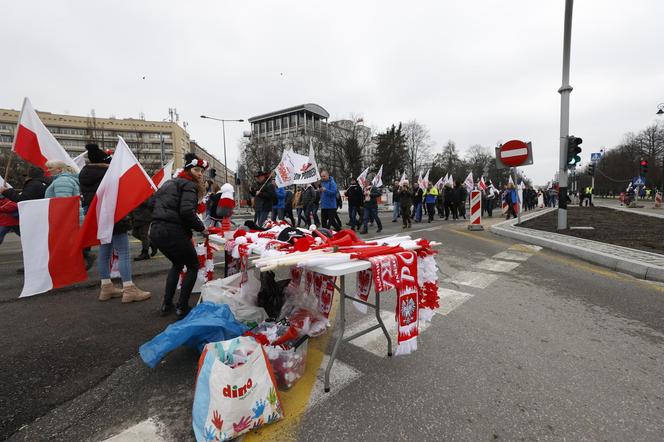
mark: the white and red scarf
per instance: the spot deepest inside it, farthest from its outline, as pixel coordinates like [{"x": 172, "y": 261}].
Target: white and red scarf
[
  {"x": 324, "y": 292},
  {"x": 363, "y": 289}
]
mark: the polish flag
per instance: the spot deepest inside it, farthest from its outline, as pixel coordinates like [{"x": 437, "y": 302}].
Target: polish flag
[
  {"x": 50, "y": 260},
  {"x": 482, "y": 185},
  {"x": 34, "y": 143},
  {"x": 164, "y": 174},
  {"x": 124, "y": 187}
]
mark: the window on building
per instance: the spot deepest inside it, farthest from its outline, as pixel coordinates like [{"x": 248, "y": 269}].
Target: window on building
[
  {"x": 263, "y": 127},
  {"x": 6, "y": 139},
  {"x": 293, "y": 120},
  {"x": 269, "y": 126},
  {"x": 277, "y": 124},
  {"x": 284, "y": 122}
]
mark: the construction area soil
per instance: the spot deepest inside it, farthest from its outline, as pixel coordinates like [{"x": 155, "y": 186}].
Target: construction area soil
[{"x": 610, "y": 226}]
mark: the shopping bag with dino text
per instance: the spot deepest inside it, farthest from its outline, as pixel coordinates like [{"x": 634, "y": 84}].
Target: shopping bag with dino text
[{"x": 235, "y": 390}]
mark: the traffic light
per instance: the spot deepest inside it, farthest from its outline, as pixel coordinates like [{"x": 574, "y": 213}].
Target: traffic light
[
  {"x": 573, "y": 150},
  {"x": 213, "y": 173},
  {"x": 643, "y": 168},
  {"x": 591, "y": 169}
]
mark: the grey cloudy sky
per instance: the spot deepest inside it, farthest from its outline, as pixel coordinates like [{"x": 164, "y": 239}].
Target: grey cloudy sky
[{"x": 476, "y": 72}]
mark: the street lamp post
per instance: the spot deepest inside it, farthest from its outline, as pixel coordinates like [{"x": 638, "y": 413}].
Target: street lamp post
[
  {"x": 223, "y": 131},
  {"x": 660, "y": 112}
]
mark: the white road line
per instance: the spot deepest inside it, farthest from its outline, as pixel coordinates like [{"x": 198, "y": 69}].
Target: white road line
[
  {"x": 451, "y": 299},
  {"x": 146, "y": 431},
  {"x": 513, "y": 255},
  {"x": 494, "y": 265},
  {"x": 341, "y": 376},
  {"x": 472, "y": 279}
]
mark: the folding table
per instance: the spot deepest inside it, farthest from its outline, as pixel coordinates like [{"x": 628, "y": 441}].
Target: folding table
[{"x": 341, "y": 270}]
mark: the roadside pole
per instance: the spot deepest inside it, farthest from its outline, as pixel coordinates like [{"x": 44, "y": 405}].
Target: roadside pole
[
  {"x": 519, "y": 196},
  {"x": 564, "y": 91}
]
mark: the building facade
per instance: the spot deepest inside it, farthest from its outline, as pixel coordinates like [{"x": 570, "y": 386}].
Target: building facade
[
  {"x": 153, "y": 142},
  {"x": 216, "y": 172},
  {"x": 304, "y": 120}
]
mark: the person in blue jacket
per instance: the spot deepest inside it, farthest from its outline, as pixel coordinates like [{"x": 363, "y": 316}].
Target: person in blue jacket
[
  {"x": 328, "y": 201},
  {"x": 279, "y": 208}
]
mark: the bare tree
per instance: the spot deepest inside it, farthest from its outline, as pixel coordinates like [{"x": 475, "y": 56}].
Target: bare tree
[
  {"x": 348, "y": 145},
  {"x": 478, "y": 159},
  {"x": 418, "y": 145}
]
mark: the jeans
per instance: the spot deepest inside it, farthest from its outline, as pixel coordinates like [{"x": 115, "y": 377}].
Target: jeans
[
  {"x": 309, "y": 213},
  {"x": 120, "y": 243},
  {"x": 279, "y": 212},
  {"x": 371, "y": 212},
  {"x": 396, "y": 211},
  {"x": 300, "y": 216},
  {"x": 418, "y": 212},
  {"x": 353, "y": 212},
  {"x": 4, "y": 230},
  {"x": 176, "y": 245},
  {"x": 261, "y": 216}
]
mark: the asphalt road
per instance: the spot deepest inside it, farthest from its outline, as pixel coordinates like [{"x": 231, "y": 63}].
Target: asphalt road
[{"x": 543, "y": 347}]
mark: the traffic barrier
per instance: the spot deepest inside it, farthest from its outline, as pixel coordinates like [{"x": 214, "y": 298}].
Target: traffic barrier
[
  {"x": 658, "y": 200},
  {"x": 475, "y": 210}
]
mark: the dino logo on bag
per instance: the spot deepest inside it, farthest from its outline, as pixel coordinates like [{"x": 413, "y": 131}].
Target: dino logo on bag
[{"x": 237, "y": 392}]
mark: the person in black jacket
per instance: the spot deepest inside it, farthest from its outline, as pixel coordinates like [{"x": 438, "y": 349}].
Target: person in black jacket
[
  {"x": 266, "y": 195},
  {"x": 140, "y": 226},
  {"x": 173, "y": 219},
  {"x": 355, "y": 197},
  {"x": 90, "y": 178},
  {"x": 33, "y": 189}
]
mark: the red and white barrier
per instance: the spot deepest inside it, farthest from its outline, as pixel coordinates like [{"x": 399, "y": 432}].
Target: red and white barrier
[
  {"x": 658, "y": 199},
  {"x": 475, "y": 210}
]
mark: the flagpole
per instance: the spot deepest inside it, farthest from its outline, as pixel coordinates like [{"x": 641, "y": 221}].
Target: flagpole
[
  {"x": 266, "y": 181},
  {"x": 11, "y": 153},
  {"x": 7, "y": 169}
]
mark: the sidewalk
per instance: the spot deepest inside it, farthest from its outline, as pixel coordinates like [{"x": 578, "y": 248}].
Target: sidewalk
[
  {"x": 644, "y": 265},
  {"x": 648, "y": 209}
]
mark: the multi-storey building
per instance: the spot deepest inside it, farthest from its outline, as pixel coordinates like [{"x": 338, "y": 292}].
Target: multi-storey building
[
  {"x": 153, "y": 142},
  {"x": 216, "y": 171},
  {"x": 306, "y": 119}
]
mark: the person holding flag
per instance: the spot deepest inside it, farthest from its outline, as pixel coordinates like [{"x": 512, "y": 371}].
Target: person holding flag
[
  {"x": 173, "y": 220},
  {"x": 91, "y": 178}
]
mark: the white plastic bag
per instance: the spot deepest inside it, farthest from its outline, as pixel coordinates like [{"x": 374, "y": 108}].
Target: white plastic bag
[
  {"x": 225, "y": 291},
  {"x": 235, "y": 397}
]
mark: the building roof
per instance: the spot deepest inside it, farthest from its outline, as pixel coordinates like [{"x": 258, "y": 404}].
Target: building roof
[{"x": 311, "y": 107}]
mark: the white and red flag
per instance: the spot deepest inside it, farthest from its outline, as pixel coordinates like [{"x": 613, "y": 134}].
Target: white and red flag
[
  {"x": 425, "y": 180},
  {"x": 49, "y": 257},
  {"x": 420, "y": 182},
  {"x": 162, "y": 175},
  {"x": 124, "y": 187},
  {"x": 378, "y": 179},
  {"x": 439, "y": 183},
  {"x": 34, "y": 143},
  {"x": 482, "y": 185},
  {"x": 362, "y": 179},
  {"x": 403, "y": 179}
]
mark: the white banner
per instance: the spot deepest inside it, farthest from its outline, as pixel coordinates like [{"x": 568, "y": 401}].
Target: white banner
[
  {"x": 3, "y": 182},
  {"x": 296, "y": 169}
]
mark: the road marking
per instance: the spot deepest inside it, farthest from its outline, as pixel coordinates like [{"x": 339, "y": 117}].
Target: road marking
[
  {"x": 341, "y": 376},
  {"x": 494, "y": 265},
  {"x": 511, "y": 255},
  {"x": 147, "y": 431},
  {"x": 450, "y": 300},
  {"x": 472, "y": 279}
]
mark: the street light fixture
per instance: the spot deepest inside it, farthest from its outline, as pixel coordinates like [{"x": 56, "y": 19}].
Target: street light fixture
[
  {"x": 660, "y": 109},
  {"x": 223, "y": 129}
]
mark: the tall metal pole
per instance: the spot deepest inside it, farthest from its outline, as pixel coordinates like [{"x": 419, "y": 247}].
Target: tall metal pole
[
  {"x": 223, "y": 130},
  {"x": 564, "y": 91}
]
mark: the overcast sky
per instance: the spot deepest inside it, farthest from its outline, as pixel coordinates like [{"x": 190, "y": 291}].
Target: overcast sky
[{"x": 476, "y": 72}]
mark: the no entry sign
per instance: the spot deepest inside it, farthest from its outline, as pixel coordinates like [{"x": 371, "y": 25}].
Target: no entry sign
[{"x": 514, "y": 153}]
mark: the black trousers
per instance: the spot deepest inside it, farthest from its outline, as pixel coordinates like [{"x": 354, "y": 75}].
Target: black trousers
[
  {"x": 431, "y": 210},
  {"x": 175, "y": 243},
  {"x": 329, "y": 218},
  {"x": 140, "y": 232}
]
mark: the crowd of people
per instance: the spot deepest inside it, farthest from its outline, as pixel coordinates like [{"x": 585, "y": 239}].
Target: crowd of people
[{"x": 410, "y": 202}]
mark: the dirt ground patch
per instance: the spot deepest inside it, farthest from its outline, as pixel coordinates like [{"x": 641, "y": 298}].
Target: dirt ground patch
[{"x": 610, "y": 226}]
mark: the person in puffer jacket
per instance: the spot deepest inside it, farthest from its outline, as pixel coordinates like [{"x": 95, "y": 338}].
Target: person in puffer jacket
[{"x": 173, "y": 220}]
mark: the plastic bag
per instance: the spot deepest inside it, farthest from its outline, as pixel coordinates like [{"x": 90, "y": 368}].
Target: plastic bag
[
  {"x": 225, "y": 291},
  {"x": 206, "y": 322},
  {"x": 288, "y": 364},
  {"x": 303, "y": 313},
  {"x": 232, "y": 400},
  {"x": 271, "y": 294}
]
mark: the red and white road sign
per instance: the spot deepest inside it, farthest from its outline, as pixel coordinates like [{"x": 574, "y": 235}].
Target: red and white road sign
[
  {"x": 514, "y": 153},
  {"x": 475, "y": 207}
]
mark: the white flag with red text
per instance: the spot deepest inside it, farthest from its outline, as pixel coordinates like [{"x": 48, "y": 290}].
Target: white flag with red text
[
  {"x": 34, "y": 143},
  {"x": 482, "y": 185},
  {"x": 378, "y": 179},
  {"x": 403, "y": 179},
  {"x": 362, "y": 179},
  {"x": 162, "y": 175},
  {"x": 47, "y": 228},
  {"x": 124, "y": 187},
  {"x": 468, "y": 182}
]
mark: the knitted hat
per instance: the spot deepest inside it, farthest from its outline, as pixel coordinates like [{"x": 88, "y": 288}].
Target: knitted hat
[
  {"x": 191, "y": 160},
  {"x": 96, "y": 155}
]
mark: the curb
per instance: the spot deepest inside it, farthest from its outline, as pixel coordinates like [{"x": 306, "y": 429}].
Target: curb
[{"x": 632, "y": 267}]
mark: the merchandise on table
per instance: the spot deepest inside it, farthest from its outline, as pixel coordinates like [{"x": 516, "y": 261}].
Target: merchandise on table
[{"x": 288, "y": 364}]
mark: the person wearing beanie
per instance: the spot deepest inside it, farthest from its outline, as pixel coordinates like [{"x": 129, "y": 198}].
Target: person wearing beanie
[
  {"x": 173, "y": 220},
  {"x": 89, "y": 180},
  {"x": 34, "y": 187}
]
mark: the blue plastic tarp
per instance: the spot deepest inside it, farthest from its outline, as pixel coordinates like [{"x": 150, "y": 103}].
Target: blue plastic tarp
[{"x": 207, "y": 322}]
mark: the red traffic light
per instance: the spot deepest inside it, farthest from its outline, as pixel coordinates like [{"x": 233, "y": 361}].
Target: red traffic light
[{"x": 644, "y": 163}]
